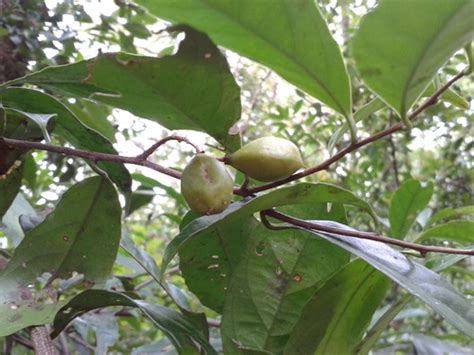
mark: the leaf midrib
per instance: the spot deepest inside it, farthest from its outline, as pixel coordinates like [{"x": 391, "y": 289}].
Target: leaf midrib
[
  {"x": 424, "y": 52},
  {"x": 80, "y": 229},
  {"x": 340, "y": 316},
  {"x": 281, "y": 51}
]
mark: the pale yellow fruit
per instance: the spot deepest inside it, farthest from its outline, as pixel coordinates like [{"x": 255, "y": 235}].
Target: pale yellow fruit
[
  {"x": 206, "y": 185},
  {"x": 267, "y": 159}
]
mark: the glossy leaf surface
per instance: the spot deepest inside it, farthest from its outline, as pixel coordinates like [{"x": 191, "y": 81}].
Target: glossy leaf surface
[
  {"x": 192, "y": 89},
  {"x": 278, "y": 274},
  {"x": 180, "y": 330},
  {"x": 301, "y": 193},
  {"x": 291, "y": 37},
  {"x": 409, "y": 47},
  {"x": 425, "y": 284}
]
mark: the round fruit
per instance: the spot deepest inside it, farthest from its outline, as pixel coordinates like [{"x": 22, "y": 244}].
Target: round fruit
[
  {"x": 206, "y": 185},
  {"x": 267, "y": 159}
]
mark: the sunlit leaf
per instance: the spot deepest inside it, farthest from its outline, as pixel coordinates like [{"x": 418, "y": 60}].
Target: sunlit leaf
[
  {"x": 449, "y": 213},
  {"x": 409, "y": 46},
  {"x": 455, "y": 231},
  {"x": 425, "y": 284},
  {"x": 409, "y": 200},
  {"x": 294, "y": 40}
]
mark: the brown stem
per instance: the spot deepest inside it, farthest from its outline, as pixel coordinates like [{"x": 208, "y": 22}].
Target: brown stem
[
  {"x": 151, "y": 150},
  {"x": 42, "y": 341},
  {"x": 89, "y": 155},
  {"x": 349, "y": 149},
  {"x": 423, "y": 249}
]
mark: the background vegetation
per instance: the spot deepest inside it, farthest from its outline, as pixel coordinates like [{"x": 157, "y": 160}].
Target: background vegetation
[{"x": 416, "y": 180}]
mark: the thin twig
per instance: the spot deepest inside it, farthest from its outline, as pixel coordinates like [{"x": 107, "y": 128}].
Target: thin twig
[
  {"x": 349, "y": 149},
  {"x": 89, "y": 155},
  {"x": 151, "y": 150},
  {"x": 423, "y": 249}
]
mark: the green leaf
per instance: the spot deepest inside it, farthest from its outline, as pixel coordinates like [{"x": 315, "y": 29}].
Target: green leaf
[
  {"x": 81, "y": 235},
  {"x": 43, "y": 121},
  {"x": 421, "y": 282},
  {"x": 277, "y": 275},
  {"x": 450, "y": 212},
  {"x": 382, "y": 323},
  {"x": 455, "y": 231},
  {"x": 69, "y": 127},
  {"x": 14, "y": 124},
  {"x": 449, "y": 95},
  {"x": 409, "y": 47},
  {"x": 179, "y": 329},
  {"x": 361, "y": 114},
  {"x": 208, "y": 262},
  {"x": 148, "y": 264},
  {"x": 379, "y": 325},
  {"x": 336, "y": 317},
  {"x": 150, "y": 183},
  {"x": 301, "y": 193},
  {"x": 10, "y": 184},
  {"x": 193, "y": 89},
  {"x": 140, "y": 198},
  {"x": 409, "y": 200},
  {"x": 94, "y": 115},
  {"x": 294, "y": 40}
]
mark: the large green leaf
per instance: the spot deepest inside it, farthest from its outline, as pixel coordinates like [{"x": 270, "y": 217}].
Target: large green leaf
[
  {"x": 409, "y": 200},
  {"x": 80, "y": 236},
  {"x": 289, "y": 36},
  {"x": 400, "y": 45},
  {"x": 182, "y": 331},
  {"x": 335, "y": 319},
  {"x": 379, "y": 325},
  {"x": 277, "y": 275},
  {"x": 207, "y": 262},
  {"x": 449, "y": 213},
  {"x": 301, "y": 193},
  {"x": 192, "y": 89},
  {"x": 69, "y": 127},
  {"x": 425, "y": 284},
  {"x": 94, "y": 115},
  {"x": 455, "y": 231}
]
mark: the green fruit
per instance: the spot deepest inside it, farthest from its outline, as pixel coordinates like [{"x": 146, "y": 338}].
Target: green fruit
[
  {"x": 206, "y": 185},
  {"x": 267, "y": 159}
]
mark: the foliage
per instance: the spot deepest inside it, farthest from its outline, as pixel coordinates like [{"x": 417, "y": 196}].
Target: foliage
[{"x": 296, "y": 266}]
